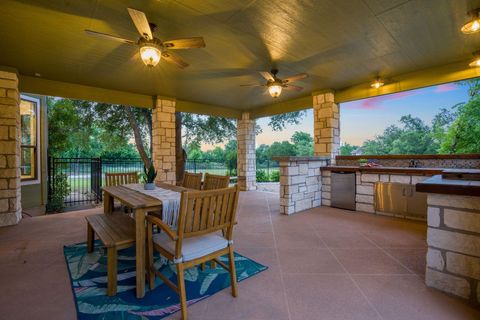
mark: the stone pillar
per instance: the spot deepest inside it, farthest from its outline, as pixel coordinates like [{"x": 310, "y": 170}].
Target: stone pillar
[
  {"x": 453, "y": 237},
  {"x": 163, "y": 140},
  {"x": 326, "y": 125},
  {"x": 246, "y": 163},
  {"x": 10, "y": 195}
]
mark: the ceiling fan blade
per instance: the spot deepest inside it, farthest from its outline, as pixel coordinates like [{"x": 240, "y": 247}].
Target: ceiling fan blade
[
  {"x": 267, "y": 75},
  {"x": 187, "y": 43},
  {"x": 293, "y": 88},
  {"x": 108, "y": 36},
  {"x": 295, "y": 78},
  {"x": 141, "y": 23},
  {"x": 252, "y": 85},
  {"x": 167, "y": 56}
]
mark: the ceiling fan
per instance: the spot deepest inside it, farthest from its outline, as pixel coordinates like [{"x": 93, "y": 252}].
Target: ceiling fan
[
  {"x": 152, "y": 48},
  {"x": 275, "y": 85}
]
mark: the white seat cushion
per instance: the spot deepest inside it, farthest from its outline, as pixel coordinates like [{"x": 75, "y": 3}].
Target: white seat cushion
[{"x": 192, "y": 248}]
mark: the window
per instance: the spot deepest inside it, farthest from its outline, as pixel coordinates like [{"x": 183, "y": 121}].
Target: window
[{"x": 29, "y": 120}]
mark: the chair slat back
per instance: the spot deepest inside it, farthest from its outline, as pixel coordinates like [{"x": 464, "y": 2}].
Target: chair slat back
[
  {"x": 192, "y": 181},
  {"x": 203, "y": 212},
  {"x": 117, "y": 179},
  {"x": 213, "y": 181}
]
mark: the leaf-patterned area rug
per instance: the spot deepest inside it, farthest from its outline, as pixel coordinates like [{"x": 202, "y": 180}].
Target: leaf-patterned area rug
[{"x": 88, "y": 276}]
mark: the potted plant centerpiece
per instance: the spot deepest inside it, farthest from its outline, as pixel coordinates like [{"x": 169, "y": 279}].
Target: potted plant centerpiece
[{"x": 149, "y": 177}]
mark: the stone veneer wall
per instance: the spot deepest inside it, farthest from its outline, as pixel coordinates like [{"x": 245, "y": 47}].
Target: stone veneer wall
[
  {"x": 365, "y": 189},
  {"x": 326, "y": 125},
  {"x": 10, "y": 195},
  {"x": 453, "y": 237},
  {"x": 300, "y": 184},
  {"x": 424, "y": 163},
  {"x": 163, "y": 140},
  {"x": 246, "y": 159}
]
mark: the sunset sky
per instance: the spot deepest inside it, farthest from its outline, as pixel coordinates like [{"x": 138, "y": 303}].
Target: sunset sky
[{"x": 363, "y": 119}]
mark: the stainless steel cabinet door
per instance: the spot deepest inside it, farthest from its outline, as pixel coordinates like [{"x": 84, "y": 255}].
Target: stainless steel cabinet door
[
  {"x": 343, "y": 190},
  {"x": 390, "y": 197},
  {"x": 416, "y": 202}
]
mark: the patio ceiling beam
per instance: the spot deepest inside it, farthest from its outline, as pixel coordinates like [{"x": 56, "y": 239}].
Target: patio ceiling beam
[
  {"x": 53, "y": 88},
  {"x": 410, "y": 81},
  {"x": 419, "y": 79}
]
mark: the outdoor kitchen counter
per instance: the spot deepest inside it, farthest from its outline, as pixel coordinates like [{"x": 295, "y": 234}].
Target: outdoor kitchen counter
[
  {"x": 393, "y": 170},
  {"x": 453, "y": 182}
]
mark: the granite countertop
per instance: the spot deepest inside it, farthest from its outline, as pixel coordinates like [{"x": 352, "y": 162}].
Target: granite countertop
[
  {"x": 440, "y": 184},
  {"x": 399, "y": 170}
]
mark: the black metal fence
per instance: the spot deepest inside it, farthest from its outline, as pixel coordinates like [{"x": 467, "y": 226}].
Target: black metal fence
[
  {"x": 84, "y": 177},
  {"x": 267, "y": 170},
  {"x": 206, "y": 166}
]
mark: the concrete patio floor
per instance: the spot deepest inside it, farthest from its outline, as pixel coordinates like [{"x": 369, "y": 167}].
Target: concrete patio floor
[{"x": 323, "y": 264}]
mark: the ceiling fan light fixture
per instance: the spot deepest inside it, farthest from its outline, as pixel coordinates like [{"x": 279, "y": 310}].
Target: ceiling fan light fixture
[
  {"x": 473, "y": 25},
  {"x": 150, "y": 55},
  {"x": 275, "y": 90},
  {"x": 377, "y": 83}
]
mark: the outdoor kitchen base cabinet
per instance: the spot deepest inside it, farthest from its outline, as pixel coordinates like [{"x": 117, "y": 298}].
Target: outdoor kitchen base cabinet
[
  {"x": 400, "y": 199},
  {"x": 343, "y": 190}
]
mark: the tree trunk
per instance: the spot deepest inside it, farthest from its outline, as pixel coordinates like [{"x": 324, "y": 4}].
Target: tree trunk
[
  {"x": 179, "y": 152},
  {"x": 138, "y": 137}
]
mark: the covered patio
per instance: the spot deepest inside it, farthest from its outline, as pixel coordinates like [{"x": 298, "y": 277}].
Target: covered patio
[
  {"x": 323, "y": 262},
  {"x": 372, "y": 269}
]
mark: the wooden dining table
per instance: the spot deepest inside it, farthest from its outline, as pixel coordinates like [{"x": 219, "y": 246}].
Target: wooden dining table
[{"x": 141, "y": 204}]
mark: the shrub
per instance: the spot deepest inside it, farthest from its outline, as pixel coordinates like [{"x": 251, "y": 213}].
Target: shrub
[
  {"x": 275, "y": 176},
  {"x": 61, "y": 189},
  {"x": 262, "y": 176}
]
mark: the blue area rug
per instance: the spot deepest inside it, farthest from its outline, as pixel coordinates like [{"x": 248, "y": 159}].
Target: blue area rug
[{"x": 88, "y": 276}]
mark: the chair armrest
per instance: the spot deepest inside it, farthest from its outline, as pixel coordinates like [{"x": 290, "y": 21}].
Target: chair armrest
[{"x": 162, "y": 225}]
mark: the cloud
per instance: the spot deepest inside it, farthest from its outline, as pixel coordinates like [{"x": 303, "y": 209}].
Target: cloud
[
  {"x": 377, "y": 102},
  {"x": 445, "y": 88}
]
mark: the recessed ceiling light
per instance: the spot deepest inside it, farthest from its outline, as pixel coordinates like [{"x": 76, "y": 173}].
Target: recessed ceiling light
[
  {"x": 476, "y": 60},
  {"x": 377, "y": 83},
  {"x": 37, "y": 74},
  {"x": 473, "y": 25}
]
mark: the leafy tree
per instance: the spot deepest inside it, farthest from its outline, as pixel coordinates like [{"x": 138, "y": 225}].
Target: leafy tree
[
  {"x": 347, "y": 149},
  {"x": 283, "y": 148},
  {"x": 279, "y": 122},
  {"x": 303, "y": 143},
  {"x": 463, "y": 136},
  {"x": 261, "y": 153}
]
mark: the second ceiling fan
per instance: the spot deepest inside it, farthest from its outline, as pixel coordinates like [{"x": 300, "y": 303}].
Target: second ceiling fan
[
  {"x": 153, "y": 49},
  {"x": 275, "y": 84}
]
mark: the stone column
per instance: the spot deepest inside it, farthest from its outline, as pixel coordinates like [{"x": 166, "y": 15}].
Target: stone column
[
  {"x": 246, "y": 163},
  {"x": 326, "y": 125},
  {"x": 163, "y": 140},
  {"x": 10, "y": 195},
  {"x": 453, "y": 237}
]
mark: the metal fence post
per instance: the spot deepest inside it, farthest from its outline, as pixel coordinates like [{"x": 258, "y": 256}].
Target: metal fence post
[{"x": 194, "y": 165}]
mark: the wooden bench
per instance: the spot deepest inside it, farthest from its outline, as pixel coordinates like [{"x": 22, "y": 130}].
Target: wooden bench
[{"x": 116, "y": 231}]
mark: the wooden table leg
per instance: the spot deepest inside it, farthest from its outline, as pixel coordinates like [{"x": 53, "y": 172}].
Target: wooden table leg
[
  {"x": 107, "y": 203},
  {"x": 140, "y": 251},
  {"x": 90, "y": 238}
]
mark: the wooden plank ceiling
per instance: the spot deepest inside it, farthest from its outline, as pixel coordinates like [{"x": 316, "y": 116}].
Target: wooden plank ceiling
[{"x": 338, "y": 43}]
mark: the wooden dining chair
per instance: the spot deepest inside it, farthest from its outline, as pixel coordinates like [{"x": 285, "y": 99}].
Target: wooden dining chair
[
  {"x": 196, "y": 240},
  {"x": 192, "y": 180},
  {"x": 213, "y": 181},
  {"x": 117, "y": 179}
]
